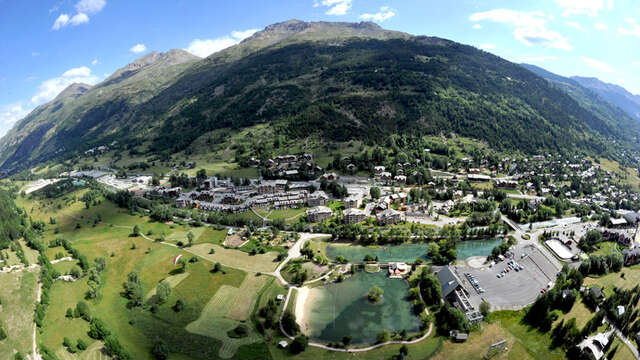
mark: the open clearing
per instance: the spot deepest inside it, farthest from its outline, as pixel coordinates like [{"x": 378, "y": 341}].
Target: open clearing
[
  {"x": 237, "y": 259},
  {"x": 18, "y": 295},
  {"x": 173, "y": 281},
  {"x": 478, "y": 344}
]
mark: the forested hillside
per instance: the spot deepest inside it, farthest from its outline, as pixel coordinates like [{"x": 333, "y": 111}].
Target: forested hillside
[{"x": 338, "y": 80}]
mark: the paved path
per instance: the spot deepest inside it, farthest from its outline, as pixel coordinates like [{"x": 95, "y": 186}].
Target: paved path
[{"x": 624, "y": 339}]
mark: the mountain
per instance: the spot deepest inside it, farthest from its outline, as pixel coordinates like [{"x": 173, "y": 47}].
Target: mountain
[
  {"x": 617, "y": 95},
  {"x": 590, "y": 99},
  {"x": 81, "y": 113},
  {"x": 337, "y": 80}
]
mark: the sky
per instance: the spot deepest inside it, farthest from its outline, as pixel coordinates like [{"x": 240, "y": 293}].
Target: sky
[{"x": 49, "y": 44}]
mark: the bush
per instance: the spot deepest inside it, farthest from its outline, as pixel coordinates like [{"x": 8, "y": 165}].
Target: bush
[
  {"x": 299, "y": 344},
  {"x": 81, "y": 345},
  {"x": 160, "y": 350}
]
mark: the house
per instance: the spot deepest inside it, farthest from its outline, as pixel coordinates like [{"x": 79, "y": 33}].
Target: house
[
  {"x": 353, "y": 201},
  {"x": 596, "y": 344},
  {"x": 351, "y": 168},
  {"x": 597, "y": 293},
  {"x": 329, "y": 177},
  {"x": 385, "y": 176},
  {"x": 267, "y": 187},
  {"x": 631, "y": 256},
  {"x": 388, "y": 217},
  {"x": 280, "y": 297},
  {"x": 620, "y": 310},
  {"x": 398, "y": 269},
  {"x": 400, "y": 179},
  {"x": 283, "y": 344},
  {"x": 458, "y": 336},
  {"x": 618, "y": 223},
  {"x": 318, "y": 198},
  {"x": 281, "y": 185},
  {"x": 353, "y": 216},
  {"x": 378, "y": 170},
  {"x": 319, "y": 214}
]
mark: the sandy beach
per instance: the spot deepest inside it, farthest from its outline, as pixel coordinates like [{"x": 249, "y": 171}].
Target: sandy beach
[{"x": 302, "y": 298}]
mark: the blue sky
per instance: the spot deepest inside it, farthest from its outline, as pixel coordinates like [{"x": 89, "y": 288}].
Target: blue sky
[{"x": 47, "y": 45}]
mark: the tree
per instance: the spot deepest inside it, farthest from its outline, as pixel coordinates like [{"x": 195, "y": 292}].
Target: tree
[
  {"x": 383, "y": 336},
  {"x": 81, "y": 345},
  {"x": 163, "y": 291},
  {"x": 449, "y": 318},
  {"x": 430, "y": 288},
  {"x": 375, "y": 192},
  {"x": 346, "y": 340},
  {"x": 299, "y": 344},
  {"x": 217, "y": 267},
  {"x": 160, "y": 350},
  {"x": 136, "y": 230},
  {"x": 375, "y": 294},
  {"x": 3, "y": 335},
  {"x": 179, "y": 306},
  {"x": 190, "y": 238},
  {"x": 289, "y": 323},
  {"x": 484, "y": 308}
]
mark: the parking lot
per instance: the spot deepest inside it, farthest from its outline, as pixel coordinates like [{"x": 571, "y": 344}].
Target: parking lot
[{"x": 516, "y": 288}]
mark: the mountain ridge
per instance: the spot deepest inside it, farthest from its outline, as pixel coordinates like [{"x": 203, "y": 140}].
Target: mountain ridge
[{"x": 339, "y": 80}]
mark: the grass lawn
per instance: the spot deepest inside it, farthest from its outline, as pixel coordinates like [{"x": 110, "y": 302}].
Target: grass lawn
[
  {"x": 579, "y": 311},
  {"x": 286, "y": 214},
  {"x": 420, "y": 351},
  {"x": 237, "y": 259},
  {"x": 605, "y": 248},
  {"x": 478, "y": 344},
  {"x": 18, "y": 296},
  {"x": 136, "y": 329},
  {"x": 532, "y": 342},
  {"x": 607, "y": 282},
  {"x": 623, "y": 352},
  {"x": 30, "y": 254}
]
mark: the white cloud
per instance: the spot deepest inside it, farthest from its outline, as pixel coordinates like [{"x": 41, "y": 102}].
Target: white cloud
[
  {"x": 35, "y": 53},
  {"x": 90, "y": 6},
  {"x": 83, "y": 8},
  {"x": 636, "y": 63},
  {"x": 583, "y": 7},
  {"x": 598, "y": 65},
  {"x": 206, "y": 47},
  {"x": 632, "y": 30},
  {"x": 50, "y": 88},
  {"x": 538, "y": 59},
  {"x": 80, "y": 18},
  {"x": 601, "y": 26},
  {"x": 138, "y": 48},
  {"x": 530, "y": 27},
  {"x": 61, "y": 21},
  {"x": 11, "y": 113},
  {"x": 95, "y": 62},
  {"x": 385, "y": 13},
  {"x": 477, "y": 26},
  {"x": 576, "y": 25},
  {"x": 336, "y": 7},
  {"x": 487, "y": 46}
]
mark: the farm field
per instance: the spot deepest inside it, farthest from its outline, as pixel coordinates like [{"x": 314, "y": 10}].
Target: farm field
[
  {"x": 16, "y": 312},
  {"x": 237, "y": 259}
]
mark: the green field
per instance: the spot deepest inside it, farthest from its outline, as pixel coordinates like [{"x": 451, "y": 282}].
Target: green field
[{"x": 18, "y": 296}]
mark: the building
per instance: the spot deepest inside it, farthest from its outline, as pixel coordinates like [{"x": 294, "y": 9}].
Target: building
[
  {"x": 353, "y": 216},
  {"x": 318, "y": 198},
  {"x": 319, "y": 214},
  {"x": 596, "y": 344},
  {"x": 352, "y": 201},
  {"x": 397, "y": 269},
  {"x": 597, "y": 293},
  {"x": 457, "y": 336},
  {"x": 478, "y": 178},
  {"x": 618, "y": 223},
  {"x": 389, "y": 217},
  {"x": 400, "y": 179},
  {"x": 378, "y": 170},
  {"x": 452, "y": 289},
  {"x": 631, "y": 256}
]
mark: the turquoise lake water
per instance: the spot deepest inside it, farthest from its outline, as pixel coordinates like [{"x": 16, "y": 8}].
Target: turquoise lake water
[
  {"x": 341, "y": 309},
  {"x": 409, "y": 252}
]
